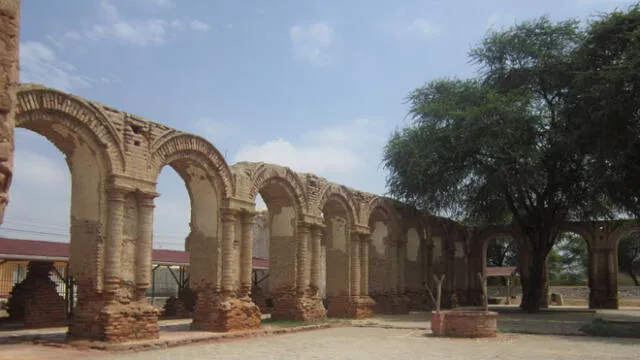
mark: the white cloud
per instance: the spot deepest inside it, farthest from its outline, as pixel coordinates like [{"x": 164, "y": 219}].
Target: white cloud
[
  {"x": 161, "y": 3},
  {"x": 142, "y": 32},
  {"x": 331, "y": 150},
  {"x": 213, "y": 130},
  {"x": 199, "y": 25},
  {"x": 405, "y": 25},
  {"x": 38, "y": 63},
  {"x": 38, "y": 171},
  {"x": 312, "y": 43},
  {"x": 500, "y": 19}
]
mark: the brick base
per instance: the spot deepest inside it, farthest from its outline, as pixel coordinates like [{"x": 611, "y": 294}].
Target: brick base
[
  {"x": 288, "y": 305},
  {"x": 603, "y": 299},
  {"x": 346, "y": 307},
  {"x": 224, "y": 313},
  {"x": 386, "y": 303},
  {"x": 115, "y": 322}
]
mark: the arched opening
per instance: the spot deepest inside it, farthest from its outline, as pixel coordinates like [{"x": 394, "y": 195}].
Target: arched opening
[
  {"x": 169, "y": 288},
  {"x": 203, "y": 173},
  {"x": 282, "y": 214},
  {"x": 629, "y": 269},
  {"x": 338, "y": 222},
  {"x": 73, "y": 278},
  {"x": 41, "y": 176},
  {"x": 568, "y": 271},
  {"x": 260, "y": 274},
  {"x": 500, "y": 269}
]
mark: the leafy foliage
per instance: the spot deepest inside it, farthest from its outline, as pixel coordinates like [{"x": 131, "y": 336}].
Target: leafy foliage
[{"x": 535, "y": 139}]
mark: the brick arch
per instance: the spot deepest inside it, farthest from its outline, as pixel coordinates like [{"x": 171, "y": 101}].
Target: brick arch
[
  {"x": 177, "y": 146},
  {"x": 341, "y": 194},
  {"x": 620, "y": 232},
  {"x": 38, "y": 106},
  {"x": 384, "y": 206},
  {"x": 263, "y": 174},
  {"x": 485, "y": 234}
]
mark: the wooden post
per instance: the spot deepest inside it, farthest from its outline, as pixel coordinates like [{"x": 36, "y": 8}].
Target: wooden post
[
  {"x": 509, "y": 290},
  {"x": 485, "y": 300},
  {"x": 439, "y": 282}
]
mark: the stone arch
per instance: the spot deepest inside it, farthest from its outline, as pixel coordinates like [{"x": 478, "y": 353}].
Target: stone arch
[
  {"x": 340, "y": 195},
  {"x": 40, "y": 109},
  {"x": 208, "y": 181},
  {"x": 265, "y": 175},
  {"x": 94, "y": 152},
  {"x": 177, "y": 145}
]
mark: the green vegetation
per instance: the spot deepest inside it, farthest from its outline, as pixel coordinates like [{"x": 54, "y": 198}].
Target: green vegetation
[{"x": 548, "y": 132}]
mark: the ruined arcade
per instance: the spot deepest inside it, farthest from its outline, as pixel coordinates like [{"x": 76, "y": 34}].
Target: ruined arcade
[{"x": 381, "y": 255}]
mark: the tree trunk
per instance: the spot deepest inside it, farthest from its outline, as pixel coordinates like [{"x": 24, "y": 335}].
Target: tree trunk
[{"x": 533, "y": 268}]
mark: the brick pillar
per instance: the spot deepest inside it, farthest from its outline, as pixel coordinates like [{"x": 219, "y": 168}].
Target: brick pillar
[
  {"x": 316, "y": 260},
  {"x": 355, "y": 265},
  {"x": 302, "y": 280},
  {"x": 113, "y": 252},
  {"x": 364, "y": 265},
  {"x": 246, "y": 254},
  {"x": 9, "y": 79},
  {"x": 228, "y": 236},
  {"x": 144, "y": 244}
]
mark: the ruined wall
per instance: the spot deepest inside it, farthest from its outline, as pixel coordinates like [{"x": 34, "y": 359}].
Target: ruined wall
[{"x": 9, "y": 77}]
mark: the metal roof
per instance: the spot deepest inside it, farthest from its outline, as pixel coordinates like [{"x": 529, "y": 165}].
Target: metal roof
[{"x": 18, "y": 249}]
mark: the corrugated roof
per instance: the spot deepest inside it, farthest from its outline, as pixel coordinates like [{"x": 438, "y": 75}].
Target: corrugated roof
[
  {"x": 500, "y": 270},
  {"x": 19, "y": 249}
]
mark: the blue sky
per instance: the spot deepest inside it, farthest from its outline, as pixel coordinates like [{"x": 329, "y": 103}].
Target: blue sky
[{"x": 314, "y": 85}]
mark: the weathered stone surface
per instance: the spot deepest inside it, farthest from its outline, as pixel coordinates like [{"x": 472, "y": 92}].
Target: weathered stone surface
[
  {"x": 224, "y": 313},
  {"x": 325, "y": 239},
  {"x": 9, "y": 75}
]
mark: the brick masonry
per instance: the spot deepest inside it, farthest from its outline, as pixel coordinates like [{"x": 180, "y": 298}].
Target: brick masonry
[{"x": 372, "y": 245}]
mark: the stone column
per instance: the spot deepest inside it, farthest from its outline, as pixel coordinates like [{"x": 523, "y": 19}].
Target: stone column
[
  {"x": 246, "y": 254},
  {"x": 355, "y": 264},
  {"x": 113, "y": 252},
  {"x": 303, "y": 258},
  {"x": 144, "y": 244},
  {"x": 364, "y": 265},
  {"x": 9, "y": 80},
  {"x": 228, "y": 235},
  {"x": 393, "y": 276},
  {"x": 316, "y": 260}
]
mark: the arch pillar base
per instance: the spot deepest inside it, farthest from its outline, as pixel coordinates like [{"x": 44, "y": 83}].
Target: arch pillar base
[
  {"x": 219, "y": 312},
  {"x": 350, "y": 307},
  {"x": 289, "y": 305},
  {"x": 603, "y": 299},
  {"x": 97, "y": 318}
]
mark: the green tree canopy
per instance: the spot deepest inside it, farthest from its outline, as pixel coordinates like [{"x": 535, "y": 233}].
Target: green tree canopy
[{"x": 511, "y": 143}]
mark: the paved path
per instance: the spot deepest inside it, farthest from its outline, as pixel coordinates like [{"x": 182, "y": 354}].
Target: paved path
[{"x": 376, "y": 343}]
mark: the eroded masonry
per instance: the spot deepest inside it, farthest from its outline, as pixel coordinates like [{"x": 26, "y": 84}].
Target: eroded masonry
[{"x": 379, "y": 255}]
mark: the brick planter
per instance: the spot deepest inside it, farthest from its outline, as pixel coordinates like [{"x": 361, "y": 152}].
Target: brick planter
[
  {"x": 437, "y": 322},
  {"x": 469, "y": 323}
]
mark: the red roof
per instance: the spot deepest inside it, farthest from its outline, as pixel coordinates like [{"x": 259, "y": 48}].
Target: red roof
[
  {"x": 500, "y": 270},
  {"x": 48, "y": 250}
]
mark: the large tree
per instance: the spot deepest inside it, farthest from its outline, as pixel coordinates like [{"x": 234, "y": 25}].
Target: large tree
[{"x": 504, "y": 145}]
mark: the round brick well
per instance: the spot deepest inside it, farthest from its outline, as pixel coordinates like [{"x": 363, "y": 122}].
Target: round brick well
[{"x": 468, "y": 323}]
